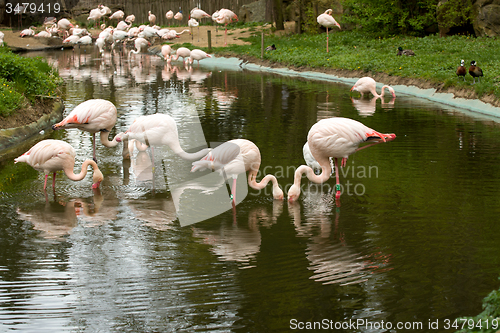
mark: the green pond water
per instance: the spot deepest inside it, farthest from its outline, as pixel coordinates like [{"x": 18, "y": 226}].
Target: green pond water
[{"x": 413, "y": 242}]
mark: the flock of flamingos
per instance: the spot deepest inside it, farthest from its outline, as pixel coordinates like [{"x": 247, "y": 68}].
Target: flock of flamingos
[{"x": 327, "y": 141}]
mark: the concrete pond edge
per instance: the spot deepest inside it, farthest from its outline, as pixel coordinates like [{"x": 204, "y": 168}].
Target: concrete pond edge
[
  {"x": 12, "y": 138},
  {"x": 473, "y": 107}
]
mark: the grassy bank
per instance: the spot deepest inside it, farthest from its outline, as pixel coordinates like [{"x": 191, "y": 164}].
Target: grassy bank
[
  {"x": 24, "y": 82},
  {"x": 436, "y": 58}
]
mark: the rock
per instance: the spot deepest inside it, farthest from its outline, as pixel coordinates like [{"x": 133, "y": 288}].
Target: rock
[
  {"x": 253, "y": 12},
  {"x": 487, "y": 17}
]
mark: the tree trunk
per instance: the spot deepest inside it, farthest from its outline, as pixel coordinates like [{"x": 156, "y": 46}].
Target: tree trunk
[{"x": 278, "y": 14}]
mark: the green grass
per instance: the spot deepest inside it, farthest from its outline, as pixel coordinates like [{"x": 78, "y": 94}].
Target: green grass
[
  {"x": 24, "y": 80},
  {"x": 436, "y": 58}
]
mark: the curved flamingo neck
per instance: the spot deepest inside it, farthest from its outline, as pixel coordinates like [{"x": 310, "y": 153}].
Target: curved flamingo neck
[
  {"x": 105, "y": 140},
  {"x": 68, "y": 170},
  {"x": 252, "y": 182},
  {"x": 321, "y": 178}
]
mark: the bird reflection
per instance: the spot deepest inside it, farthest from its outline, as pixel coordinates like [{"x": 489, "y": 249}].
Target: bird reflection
[
  {"x": 367, "y": 107},
  {"x": 56, "y": 219},
  {"x": 156, "y": 212},
  {"x": 237, "y": 242},
  {"x": 330, "y": 257}
]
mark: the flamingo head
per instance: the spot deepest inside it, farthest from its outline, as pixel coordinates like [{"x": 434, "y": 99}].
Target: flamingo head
[
  {"x": 120, "y": 137},
  {"x": 293, "y": 193},
  {"x": 277, "y": 193},
  {"x": 97, "y": 178}
]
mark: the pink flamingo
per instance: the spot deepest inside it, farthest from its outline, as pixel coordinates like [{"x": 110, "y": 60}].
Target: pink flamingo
[
  {"x": 165, "y": 52},
  {"x": 30, "y": 32},
  {"x": 198, "y": 55},
  {"x": 178, "y": 16},
  {"x": 326, "y": 19},
  {"x": 367, "y": 85},
  {"x": 64, "y": 25},
  {"x": 130, "y": 19},
  {"x": 93, "y": 115},
  {"x": 95, "y": 15},
  {"x": 182, "y": 52},
  {"x": 158, "y": 129},
  {"x": 236, "y": 157},
  {"x": 338, "y": 138},
  {"x": 141, "y": 45},
  {"x": 118, "y": 15},
  {"x": 151, "y": 18},
  {"x": 169, "y": 15},
  {"x": 54, "y": 155},
  {"x": 226, "y": 16}
]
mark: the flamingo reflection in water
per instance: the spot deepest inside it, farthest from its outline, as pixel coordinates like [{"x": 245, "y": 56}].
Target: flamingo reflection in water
[
  {"x": 331, "y": 259},
  {"x": 240, "y": 243},
  {"x": 56, "y": 219},
  {"x": 367, "y": 107}
]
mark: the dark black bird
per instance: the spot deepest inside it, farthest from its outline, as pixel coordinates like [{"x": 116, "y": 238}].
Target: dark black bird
[
  {"x": 461, "y": 71},
  {"x": 475, "y": 71},
  {"x": 271, "y": 48},
  {"x": 405, "y": 52}
]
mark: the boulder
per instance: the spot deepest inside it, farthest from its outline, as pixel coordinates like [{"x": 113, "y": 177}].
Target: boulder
[{"x": 487, "y": 17}]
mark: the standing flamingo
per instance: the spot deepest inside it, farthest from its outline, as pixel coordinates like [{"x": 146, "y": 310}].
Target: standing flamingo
[
  {"x": 367, "y": 85},
  {"x": 191, "y": 24},
  {"x": 158, "y": 129},
  {"x": 93, "y": 115},
  {"x": 338, "y": 138},
  {"x": 326, "y": 19},
  {"x": 118, "y": 15},
  {"x": 198, "y": 55},
  {"x": 54, "y": 155},
  {"x": 169, "y": 15},
  {"x": 225, "y": 16},
  {"x": 236, "y": 157},
  {"x": 178, "y": 16},
  {"x": 151, "y": 18}
]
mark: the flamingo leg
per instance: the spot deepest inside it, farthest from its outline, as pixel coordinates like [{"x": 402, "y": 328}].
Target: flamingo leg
[
  {"x": 337, "y": 185},
  {"x": 326, "y": 39},
  {"x": 45, "y": 183},
  {"x": 53, "y": 180},
  {"x": 233, "y": 192},
  {"x": 93, "y": 147}
]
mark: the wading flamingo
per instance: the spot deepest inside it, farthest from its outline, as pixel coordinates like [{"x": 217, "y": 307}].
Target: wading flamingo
[
  {"x": 141, "y": 45},
  {"x": 182, "y": 52},
  {"x": 326, "y": 19},
  {"x": 93, "y": 115},
  {"x": 367, "y": 85},
  {"x": 165, "y": 52},
  {"x": 50, "y": 156},
  {"x": 158, "y": 129},
  {"x": 236, "y": 157},
  {"x": 338, "y": 138},
  {"x": 197, "y": 55}
]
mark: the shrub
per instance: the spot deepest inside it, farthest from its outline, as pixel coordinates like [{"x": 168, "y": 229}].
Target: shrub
[{"x": 31, "y": 77}]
